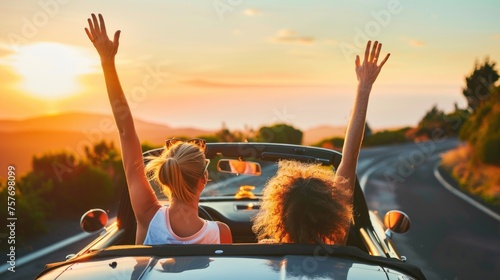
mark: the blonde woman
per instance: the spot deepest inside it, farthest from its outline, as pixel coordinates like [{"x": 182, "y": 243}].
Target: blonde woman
[
  {"x": 180, "y": 169},
  {"x": 304, "y": 203}
]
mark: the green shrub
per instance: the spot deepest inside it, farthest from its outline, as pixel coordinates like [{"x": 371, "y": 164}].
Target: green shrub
[
  {"x": 335, "y": 143},
  {"x": 488, "y": 149},
  {"x": 30, "y": 211},
  {"x": 386, "y": 137},
  {"x": 280, "y": 133}
]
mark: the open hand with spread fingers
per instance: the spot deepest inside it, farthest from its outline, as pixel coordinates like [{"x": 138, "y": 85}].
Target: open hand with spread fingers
[
  {"x": 97, "y": 34},
  {"x": 368, "y": 71}
]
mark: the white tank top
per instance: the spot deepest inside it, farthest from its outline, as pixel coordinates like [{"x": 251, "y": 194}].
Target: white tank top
[{"x": 160, "y": 232}]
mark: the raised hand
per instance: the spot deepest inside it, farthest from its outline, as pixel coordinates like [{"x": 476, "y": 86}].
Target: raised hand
[
  {"x": 143, "y": 200},
  {"x": 106, "y": 48},
  {"x": 368, "y": 71}
]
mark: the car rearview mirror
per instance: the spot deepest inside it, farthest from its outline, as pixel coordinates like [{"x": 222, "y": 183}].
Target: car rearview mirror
[
  {"x": 239, "y": 167},
  {"x": 397, "y": 221},
  {"x": 93, "y": 220}
]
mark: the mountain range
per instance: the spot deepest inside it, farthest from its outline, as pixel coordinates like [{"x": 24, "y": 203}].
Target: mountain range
[{"x": 23, "y": 139}]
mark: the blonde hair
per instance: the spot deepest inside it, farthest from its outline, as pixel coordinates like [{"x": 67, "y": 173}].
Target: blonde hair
[
  {"x": 304, "y": 203},
  {"x": 177, "y": 170}
]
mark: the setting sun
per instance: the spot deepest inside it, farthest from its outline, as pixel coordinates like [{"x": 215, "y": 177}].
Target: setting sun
[{"x": 51, "y": 70}]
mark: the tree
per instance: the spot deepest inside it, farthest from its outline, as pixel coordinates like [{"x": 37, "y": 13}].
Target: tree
[
  {"x": 478, "y": 84},
  {"x": 437, "y": 120},
  {"x": 335, "y": 143},
  {"x": 456, "y": 119},
  {"x": 225, "y": 135},
  {"x": 106, "y": 157},
  {"x": 280, "y": 133},
  {"x": 386, "y": 137},
  {"x": 31, "y": 209},
  {"x": 102, "y": 153},
  {"x": 482, "y": 130},
  {"x": 146, "y": 146},
  {"x": 432, "y": 120},
  {"x": 75, "y": 187},
  {"x": 210, "y": 138},
  {"x": 60, "y": 186}
]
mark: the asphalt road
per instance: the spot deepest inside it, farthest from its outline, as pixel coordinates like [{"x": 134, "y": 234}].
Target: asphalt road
[
  {"x": 29, "y": 268},
  {"x": 449, "y": 238}
]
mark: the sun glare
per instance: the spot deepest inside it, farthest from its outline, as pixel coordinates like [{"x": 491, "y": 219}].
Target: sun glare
[{"x": 51, "y": 70}]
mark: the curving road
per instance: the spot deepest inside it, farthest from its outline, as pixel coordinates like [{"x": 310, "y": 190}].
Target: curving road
[{"x": 449, "y": 238}]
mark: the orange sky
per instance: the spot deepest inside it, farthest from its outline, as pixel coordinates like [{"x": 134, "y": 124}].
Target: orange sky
[{"x": 202, "y": 63}]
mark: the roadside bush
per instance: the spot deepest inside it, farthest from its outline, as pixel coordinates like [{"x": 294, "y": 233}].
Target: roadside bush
[
  {"x": 60, "y": 187},
  {"x": 280, "y": 133},
  {"x": 488, "y": 149},
  {"x": 30, "y": 210},
  {"x": 89, "y": 187},
  {"x": 335, "y": 143},
  {"x": 386, "y": 137},
  {"x": 482, "y": 130},
  {"x": 470, "y": 129},
  {"x": 478, "y": 179},
  {"x": 74, "y": 189},
  {"x": 209, "y": 138}
]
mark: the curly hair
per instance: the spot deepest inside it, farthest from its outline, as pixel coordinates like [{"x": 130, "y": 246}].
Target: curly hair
[{"x": 304, "y": 203}]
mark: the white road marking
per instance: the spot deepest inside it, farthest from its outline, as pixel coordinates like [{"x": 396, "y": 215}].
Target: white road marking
[
  {"x": 464, "y": 196},
  {"x": 45, "y": 251},
  {"x": 52, "y": 248},
  {"x": 364, "y": 178}
]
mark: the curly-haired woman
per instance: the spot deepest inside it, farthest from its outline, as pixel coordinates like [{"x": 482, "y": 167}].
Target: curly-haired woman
[{"x": 305, "y": 203}]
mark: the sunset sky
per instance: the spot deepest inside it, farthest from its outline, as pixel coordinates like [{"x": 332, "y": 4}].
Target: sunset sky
[{"x": 244, "y": 63}]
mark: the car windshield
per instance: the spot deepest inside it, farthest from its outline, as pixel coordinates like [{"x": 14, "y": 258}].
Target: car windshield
[
  {"x": 229, "y": 183},
  {"x": 232, "y": 184},
  {"x": 235, "y": 184}
]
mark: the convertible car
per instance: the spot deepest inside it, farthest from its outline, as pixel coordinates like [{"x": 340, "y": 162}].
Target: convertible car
[{"x": 238, "y": 173}]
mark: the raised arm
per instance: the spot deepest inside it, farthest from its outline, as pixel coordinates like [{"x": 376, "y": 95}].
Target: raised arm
[
  {"x": 367, "y": 73},
  {"x": 143, "y": 199}
]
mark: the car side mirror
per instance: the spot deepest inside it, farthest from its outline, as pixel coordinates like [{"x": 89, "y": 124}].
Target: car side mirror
[
  {"x": 94, "y": 220},
  {"x": 239, "y": 167},
  {"x": 396, "y": 221}
]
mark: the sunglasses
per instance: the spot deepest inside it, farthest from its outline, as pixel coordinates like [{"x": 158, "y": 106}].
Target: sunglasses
[
  {"x": 206, "y": 166},
  {"x": 200, "y": 143}
]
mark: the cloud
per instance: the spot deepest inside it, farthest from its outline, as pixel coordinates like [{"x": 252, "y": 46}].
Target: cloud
[
  {"x": 290, "y": 36},
  {"x": 252, "y": 12},
  {"x": 413, "y": 43},
  {"x": 196, "y": 82},
  {"x": 208, "y": 83}
]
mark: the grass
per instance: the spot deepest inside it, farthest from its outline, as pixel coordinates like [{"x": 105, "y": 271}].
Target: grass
[{"x": 478, "y": 179}]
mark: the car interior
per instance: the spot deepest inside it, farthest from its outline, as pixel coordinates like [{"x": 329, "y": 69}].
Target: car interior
[{"x": 237, "y": 209}]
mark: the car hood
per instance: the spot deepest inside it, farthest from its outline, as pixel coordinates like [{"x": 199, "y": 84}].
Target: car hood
[{"x": 203, "y": 267}]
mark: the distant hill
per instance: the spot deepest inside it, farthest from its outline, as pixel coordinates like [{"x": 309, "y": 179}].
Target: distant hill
[
  {"x": 73, "y": 121},
  {"x": 21, "y": 139}
]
